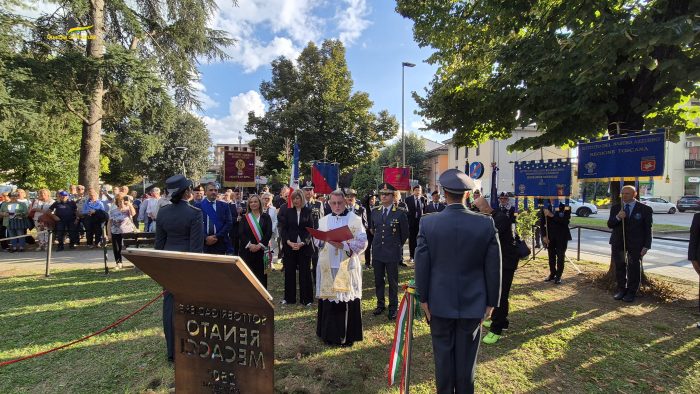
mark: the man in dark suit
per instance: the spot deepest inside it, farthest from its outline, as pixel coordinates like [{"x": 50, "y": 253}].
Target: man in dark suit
[
  {"x": 435, "y": 205},
  {"x": 216, "y": 222},
  {"x": 458, "y": 278},
  {"x": 317, "y": 212},
  {"x": 416, "y": 206},
  {"x": 694, "y": 247},
  {"x": 390, "y": 229},
  {"x": 369, "y": 203},
  {"x": 179, "y": 229},
  {"x": 630, "y": 240},
  {"x": 352, "y": 205},
  {"x": 554, "y": 224}
]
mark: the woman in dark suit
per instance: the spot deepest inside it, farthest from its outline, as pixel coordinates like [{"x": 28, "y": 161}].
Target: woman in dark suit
[
  {"x": 297, "y": 251},
  {"x": 254, "y": 233}
]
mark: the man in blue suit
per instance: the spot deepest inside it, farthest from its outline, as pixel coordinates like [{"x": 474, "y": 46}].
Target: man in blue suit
[
  {"x": 458, "y": 278},
  {"x": 435, "y": 205},
  {"x": 216, "y": 222}
]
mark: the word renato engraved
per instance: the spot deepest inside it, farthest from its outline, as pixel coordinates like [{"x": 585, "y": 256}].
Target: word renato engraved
[{"x": 233, "y": 337}]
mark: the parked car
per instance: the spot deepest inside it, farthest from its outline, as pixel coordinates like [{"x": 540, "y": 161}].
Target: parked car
[
  {"x": 582, "y": 209},
  {"x": 658, "y": 205},
  {"x": 688, "y": 203}
]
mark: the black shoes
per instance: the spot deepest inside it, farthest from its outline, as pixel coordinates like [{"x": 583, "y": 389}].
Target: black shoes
[
  {"x": 549, "y": 278},
  {"x": 619, "y": 295},
  {"x": 378, "y": 310},
  {"x": 392, "y": 315},
  {"x": 629, "y": 297},
  {"x": 557, "y": 280}
]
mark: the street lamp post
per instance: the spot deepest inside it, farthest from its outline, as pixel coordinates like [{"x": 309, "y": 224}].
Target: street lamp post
[{"x": 403, "y": 138}]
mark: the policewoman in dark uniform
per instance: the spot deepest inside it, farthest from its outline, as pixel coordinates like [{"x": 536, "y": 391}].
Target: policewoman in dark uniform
[
  {"x": 554, "y": 226},
  {"x": 352, "y": 205},
  {"x": 458, "y": 278},
  {"x": 179, "y": 229},
  {"x": 390, "y": 228}
]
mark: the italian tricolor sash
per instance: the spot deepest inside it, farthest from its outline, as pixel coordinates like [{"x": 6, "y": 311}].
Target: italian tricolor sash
[
  {"x": 258, "y": 234},
  {"x": 400, "y": 357}
]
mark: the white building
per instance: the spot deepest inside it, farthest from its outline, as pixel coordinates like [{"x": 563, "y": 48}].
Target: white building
[{"x": 496, "y": 151}]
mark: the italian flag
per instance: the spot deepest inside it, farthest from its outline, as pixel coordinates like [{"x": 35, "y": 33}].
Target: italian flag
[{"x": 400, "y": 357}]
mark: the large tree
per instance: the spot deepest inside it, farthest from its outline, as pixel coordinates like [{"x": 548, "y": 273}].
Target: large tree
[
  {"x": 575, "y": 68},
  {"x": 312, "y": 101},
  {"x": 143, "y": 39}
]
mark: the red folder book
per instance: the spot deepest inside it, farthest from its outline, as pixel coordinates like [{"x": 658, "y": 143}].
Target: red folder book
[{"x": 338, "y": 235}]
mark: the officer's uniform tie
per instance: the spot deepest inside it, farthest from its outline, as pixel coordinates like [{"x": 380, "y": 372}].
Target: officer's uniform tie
[{"x": 627, "y": 210}]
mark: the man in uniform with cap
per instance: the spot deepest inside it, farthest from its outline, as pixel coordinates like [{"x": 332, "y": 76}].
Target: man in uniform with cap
[
  {"x": 179, "y": 229},
  {"x": 554, "y": 225},
  {"x": 197, "y": 194},
  {"x": 390, "y": 229},
  {"x": 357, "y": 209},
  {"x": 317, "y": 212},
  {"x": 435, "y": 205},
  {"x": 458, "y": 278},
  {"x": 505, "y": 206}
]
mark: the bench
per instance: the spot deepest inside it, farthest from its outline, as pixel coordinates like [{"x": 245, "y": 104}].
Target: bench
[{"x": 138, "y": 239}]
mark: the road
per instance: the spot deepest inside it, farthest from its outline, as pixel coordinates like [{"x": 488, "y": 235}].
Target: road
[
  {"x": 665, "y": 257},
  {"x": 679, "y": 219}
]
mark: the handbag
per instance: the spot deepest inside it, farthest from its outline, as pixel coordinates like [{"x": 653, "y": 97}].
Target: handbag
[{"x": 523, "y": 249}]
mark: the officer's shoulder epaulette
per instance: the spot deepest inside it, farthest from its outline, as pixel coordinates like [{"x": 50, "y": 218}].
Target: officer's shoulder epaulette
[
  {"x": 567, "y": 208},
  {"x": 378, "y": 208}
]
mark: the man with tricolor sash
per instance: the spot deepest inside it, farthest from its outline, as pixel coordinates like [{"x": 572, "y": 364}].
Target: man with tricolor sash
[{"x": 458, "y": 277}]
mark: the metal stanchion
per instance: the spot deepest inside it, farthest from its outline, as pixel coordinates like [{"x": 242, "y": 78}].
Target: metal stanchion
[
  {"x": 48, "y": 253},
  {"x": 578, "y": 252},
  {"x": 104, "y": 247}
]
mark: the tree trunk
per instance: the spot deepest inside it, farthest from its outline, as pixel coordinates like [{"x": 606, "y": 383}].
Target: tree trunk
[{"x": 89, "y": 164}]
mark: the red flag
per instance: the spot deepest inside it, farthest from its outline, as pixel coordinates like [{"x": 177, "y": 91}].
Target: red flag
[{"x": 399, "y": 177}]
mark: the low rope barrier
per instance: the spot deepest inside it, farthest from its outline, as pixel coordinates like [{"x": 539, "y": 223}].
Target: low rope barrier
[{"x": 116, "y": 323}]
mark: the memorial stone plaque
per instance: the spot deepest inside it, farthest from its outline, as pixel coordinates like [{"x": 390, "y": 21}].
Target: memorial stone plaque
[{"x": 223, "y": 318}]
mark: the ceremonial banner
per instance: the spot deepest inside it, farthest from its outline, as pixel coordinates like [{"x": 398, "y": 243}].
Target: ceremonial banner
[
  {"x": 324, "y": 176},
  {"x": 623, "y": 157},
  {"x": 239, "y": 169},
  {"x": 544, "y": 179},
  {"x": 399, "y": 177}
]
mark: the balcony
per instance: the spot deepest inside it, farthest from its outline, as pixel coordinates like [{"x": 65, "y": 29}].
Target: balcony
[{"x": 692, "y": 164}]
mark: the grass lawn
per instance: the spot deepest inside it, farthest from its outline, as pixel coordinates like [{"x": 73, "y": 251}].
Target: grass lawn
[
  {"x": 603, "y": 224},
  {"x": 568, "y": 338}
]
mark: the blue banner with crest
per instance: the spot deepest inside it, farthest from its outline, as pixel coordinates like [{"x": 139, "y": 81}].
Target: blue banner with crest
[
  {"x": 622, "y": 157},
  {"x": 543, "y": 178}
]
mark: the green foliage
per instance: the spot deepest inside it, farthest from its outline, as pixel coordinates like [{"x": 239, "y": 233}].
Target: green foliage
[
  {"x": 527, "y": 219},
  {"x": 313, "y": 103},
  {"x": 367, "y": 178},
  {"x": 572, "y": 67}
]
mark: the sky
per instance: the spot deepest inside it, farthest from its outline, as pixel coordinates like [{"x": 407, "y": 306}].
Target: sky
[{"x": 377, "y": 41}]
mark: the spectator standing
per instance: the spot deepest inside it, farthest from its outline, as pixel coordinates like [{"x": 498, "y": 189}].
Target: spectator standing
[
  {"x": 39, "y": 207},
  {"x": 5, "y": 245},
  {"x": 15, "y": 217},
  {"x": 137, "y": 206},
  {"x": 298, "y": 251},
  {"x": 67, "y": 212},
  {"x": 94, "y": 215},
  {"x": 271, "y": 211},
  {"x": 152, "y": 207},
  {"x": 255, "y": 233},
  {"x": 120, "y": 223}
]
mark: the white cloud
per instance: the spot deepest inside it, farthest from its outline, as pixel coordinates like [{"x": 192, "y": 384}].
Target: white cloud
[
  {"x": 351, "y": 20},
  {"x": 226, "y": 129},
  {"x": 267, "y": 29},
  {"x": 207, "y": 101}
]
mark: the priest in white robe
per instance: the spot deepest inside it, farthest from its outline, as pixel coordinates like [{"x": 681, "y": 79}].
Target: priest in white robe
[{"x": 339, "y": 277}]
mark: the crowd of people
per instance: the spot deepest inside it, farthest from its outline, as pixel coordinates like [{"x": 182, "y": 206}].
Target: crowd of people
[{"x": 452, "y": 242}]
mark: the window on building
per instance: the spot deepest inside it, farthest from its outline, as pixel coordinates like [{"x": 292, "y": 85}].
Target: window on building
[
  {"x": 235, "y": 148},
  {"x": 694, "y": 153},
  {"x": 456, "y": 152}
]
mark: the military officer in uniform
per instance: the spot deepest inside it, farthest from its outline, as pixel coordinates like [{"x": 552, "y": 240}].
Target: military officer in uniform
[
  {"x": 390, "y": 229},
  {"x": 554, "y": 225},
  {"x": 352, "y": 205},
  {"x": 369, "y": 202},
  {"x": 179, "y": 229},
  {"x": 505, "y": 206},
  {"x": 458, "y": 278},
  {"x": 317, "y": 212}
]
